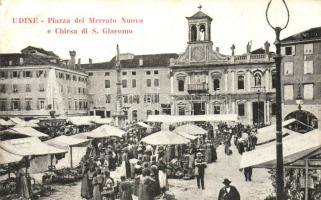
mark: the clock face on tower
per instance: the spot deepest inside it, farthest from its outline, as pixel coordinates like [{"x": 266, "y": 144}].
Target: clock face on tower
[{"x": 198, "y": 54}]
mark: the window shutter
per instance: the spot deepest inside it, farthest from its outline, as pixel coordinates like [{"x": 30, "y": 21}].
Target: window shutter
[
  {"x": 293, "y": 50},
  {"x": 282, "y": 51}
]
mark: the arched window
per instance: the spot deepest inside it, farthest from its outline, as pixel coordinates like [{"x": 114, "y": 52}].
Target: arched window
[
  {"x": 216, "y": 84},
  {"x": 257, "y": 79},
  {"x": 202, "y": 32},
  {"x": 240, "y": 82},
  {"x": 273, "y": 79},
  {"x": 181, "y": 85},
  {"x": 193, "y": 33}
]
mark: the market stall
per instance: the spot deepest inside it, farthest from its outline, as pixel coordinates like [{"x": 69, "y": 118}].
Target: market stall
[
  {"x": 5, "y": 124},
  {"x": 191, "y": 129},
  {"x": 75, "y": 147},
  {"x": 165, "y": 138},
  {"x": 105, "y": 131},
  {"x": 267, "y": 134},
  {"x": 33, "y": 155},
  {"x": 82, "y": 123},
  {"x": 24, "y": 131},
  {"x": 40, "y": 155},
  {"x": 22, "y": 123},
  {"x": 186, "y": 135},
  {"x": 301, "y": 152},
  {"x": 101, "y": 121}
]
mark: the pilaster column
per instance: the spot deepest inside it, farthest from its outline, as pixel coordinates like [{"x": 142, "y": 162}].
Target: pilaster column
[
  {"x": 249, "y": 112},
  {"x": 172, "y": 84},
  {"x": 265, "y": 112},
  {"x": 173, "y": 110},
  {"x": 233, "y": 107},
  {"x": 248, "y": 74},
  {"x": 267, "y": 80},
  {"x": 268, "y": 112},
  {"x": 225, "y": 81},
  {"x": 207, "y": 108},
  {"x": 233, "y": 81},
  {"x": 226, "y": 108}
]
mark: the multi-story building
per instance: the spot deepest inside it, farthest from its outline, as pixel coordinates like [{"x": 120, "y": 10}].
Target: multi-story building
[
  {"x": 145, "y": 85},
  {"x": 199, "y": 81},
  {"x": 35, "y": 82},
  {"x": 301, "y": 76},
  {"x": 204, "y": 81}
]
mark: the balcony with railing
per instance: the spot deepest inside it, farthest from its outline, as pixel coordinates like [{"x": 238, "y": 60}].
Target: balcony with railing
[{"x": 197, "y": 88}]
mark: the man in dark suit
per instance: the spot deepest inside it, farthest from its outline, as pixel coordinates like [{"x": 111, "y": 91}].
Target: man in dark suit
[
  {"x": 200, "y": 166},
  {"x": 228, "y": 192}
]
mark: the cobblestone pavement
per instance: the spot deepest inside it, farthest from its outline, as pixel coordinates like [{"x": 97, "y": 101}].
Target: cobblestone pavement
[{"x": 225, "y": 167}]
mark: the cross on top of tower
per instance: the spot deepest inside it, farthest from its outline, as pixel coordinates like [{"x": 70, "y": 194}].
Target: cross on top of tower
[{"x": 200, "y": 7}]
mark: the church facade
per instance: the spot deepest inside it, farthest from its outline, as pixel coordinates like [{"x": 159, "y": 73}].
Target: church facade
[{"x": 204, "y": 81}]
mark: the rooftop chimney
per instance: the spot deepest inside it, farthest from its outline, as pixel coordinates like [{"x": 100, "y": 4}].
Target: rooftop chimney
[
  {"x": 90, "y": 62},
  {"x": 21, "y": 61},
  {"x": 141, "y": 61},
  {"x": 217, "y": 49},
  {"x": 72, "y": 59}
]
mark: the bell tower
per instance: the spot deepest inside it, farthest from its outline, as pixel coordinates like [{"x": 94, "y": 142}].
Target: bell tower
[
  {"x": 199, "y": 37},
  {"x": 199, "y": 50},
  {"x": 199, "y": 27}
]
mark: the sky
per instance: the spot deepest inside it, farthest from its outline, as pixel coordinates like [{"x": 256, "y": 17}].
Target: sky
[{"x": 163, "y": 30}]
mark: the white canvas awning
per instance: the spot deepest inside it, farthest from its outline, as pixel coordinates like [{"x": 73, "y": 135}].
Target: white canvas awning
[
  {"x": 82, "y": 120},
  {"x": 165, "y": 138},
  {"x": 294, "y": 149},
  {"x": 6, "y": 123},
  {"x": 29, "y": 146},
  {"x": 191, "y": 129},
  {"x": 102, "y": 120},
  {"x": 192, "y": 118},
  {"x": 22, "y": 123},
  {"x": 186, "y": 135},
  {"x": 142, "y": 124},
  {"x": 105, "y": 131},
  {"x": 64, "y": 142},
  {"x": 7, "y": 157},
  {"x": 267, "y": 134},
  {"x": 28, "y": 131}
]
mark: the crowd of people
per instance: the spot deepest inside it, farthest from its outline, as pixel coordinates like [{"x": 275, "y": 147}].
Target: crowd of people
[{"x": 144, "y": 169}]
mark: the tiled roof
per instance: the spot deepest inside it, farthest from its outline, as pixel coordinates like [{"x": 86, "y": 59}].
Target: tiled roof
[
  {"x": 258, "y": 51},
  {"x": 41, "y": 50},
  {"x": 152, "y": 60},
  {"x": 28, "y": 59},
  {"x": 200, "y": 15},
  {"x": 313, "y": 33},
  {"x": 94, "y": 66}
]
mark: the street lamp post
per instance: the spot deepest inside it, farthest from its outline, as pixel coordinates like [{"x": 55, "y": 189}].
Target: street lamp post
[{"x": 280, "y": 195}]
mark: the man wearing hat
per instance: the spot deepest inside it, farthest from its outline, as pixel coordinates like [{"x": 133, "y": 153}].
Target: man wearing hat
[
  {"x": 228, "y": 192},
  {"x": 200, "y": 166}
]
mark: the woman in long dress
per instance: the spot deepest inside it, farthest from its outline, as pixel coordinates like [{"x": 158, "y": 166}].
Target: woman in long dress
[
  {"x": 90, "y": 174},
  {"x": 96, "y": 190},
  {"x": 162, "y": 176},
  {"x": 125, "y": 189},
  {"x": 24, "y": 191},
  {"x": 145, "y": 191},
  {"x": 85, "y": 193}
]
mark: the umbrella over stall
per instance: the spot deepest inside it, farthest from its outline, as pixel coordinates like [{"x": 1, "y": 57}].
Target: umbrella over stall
[
  {"x": 191, "y": 129},
  {"x": 165, "y": 138}
]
